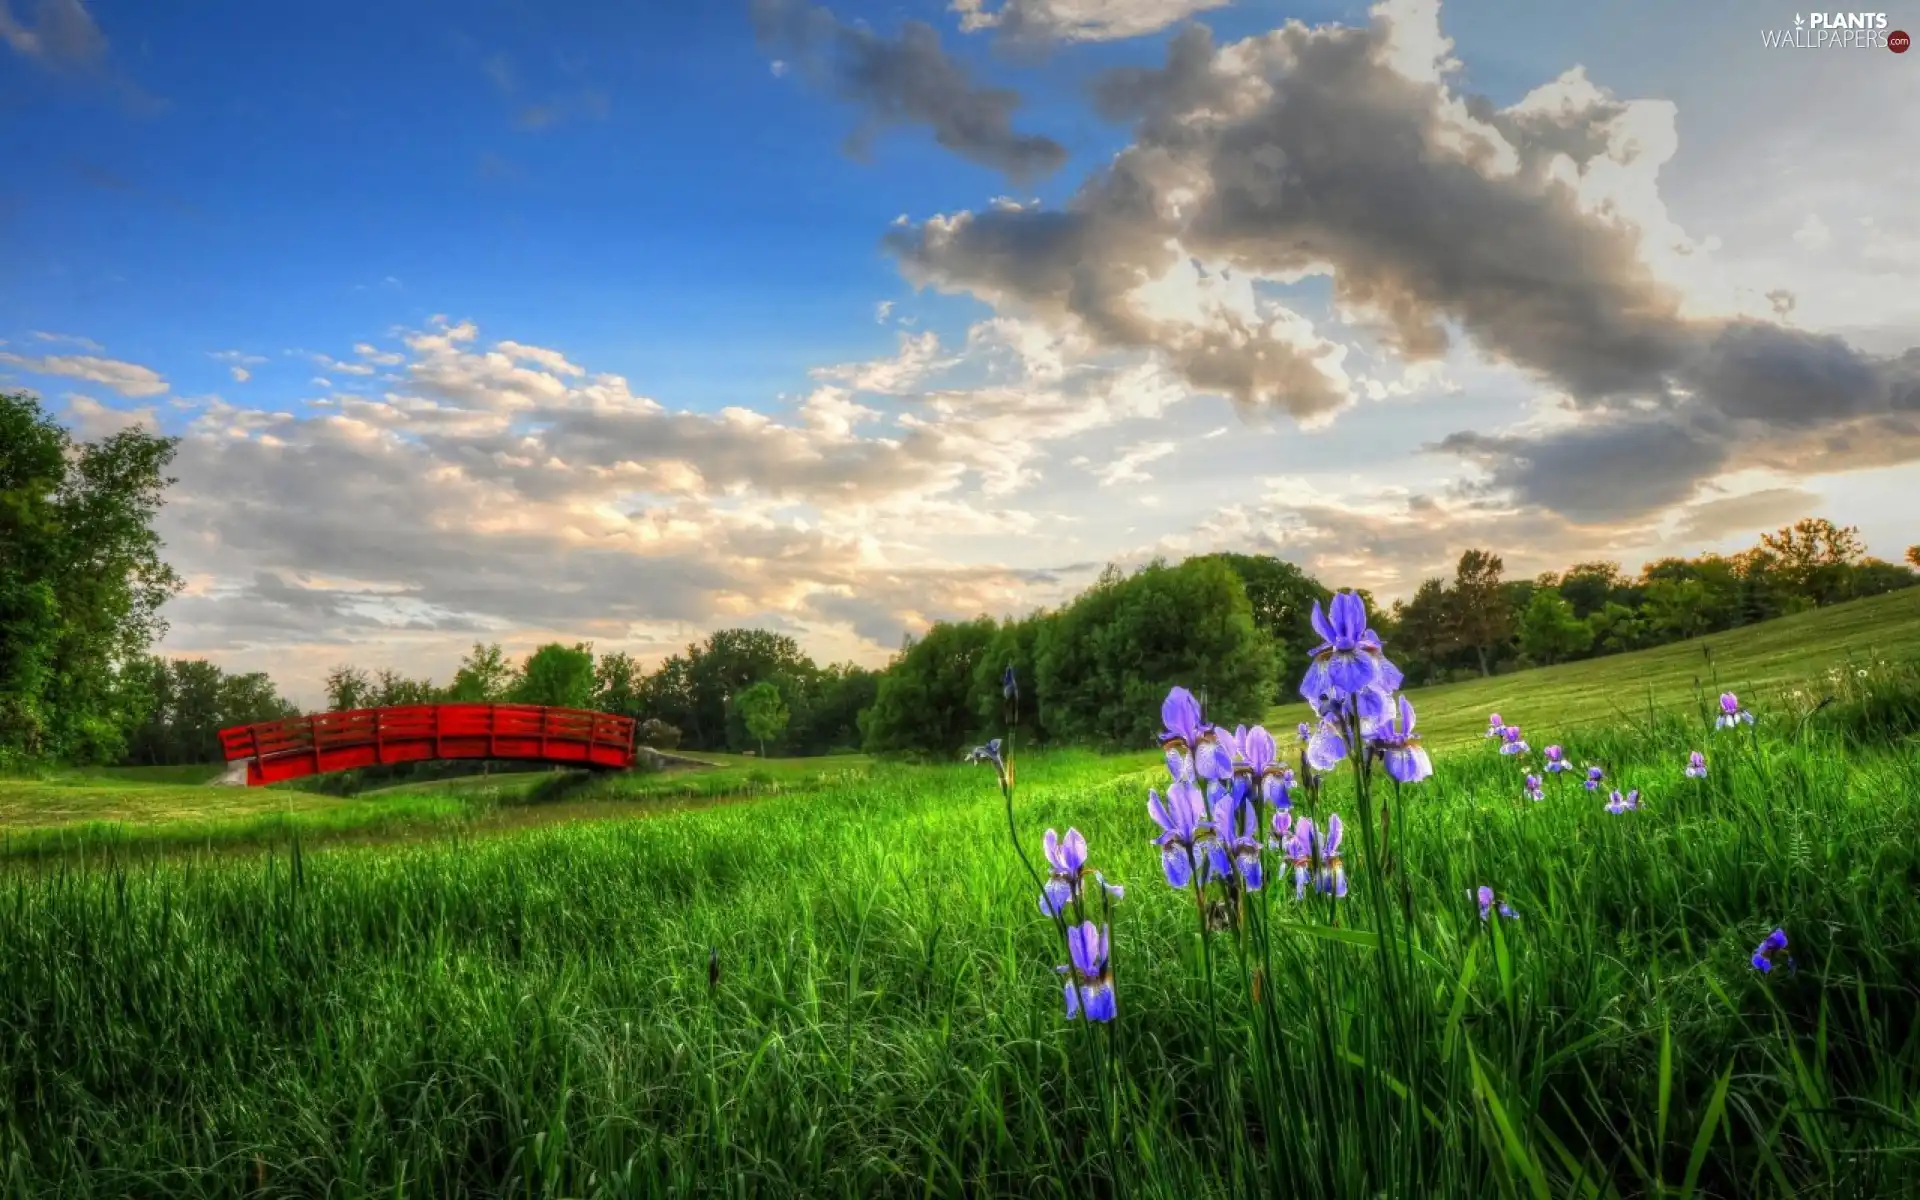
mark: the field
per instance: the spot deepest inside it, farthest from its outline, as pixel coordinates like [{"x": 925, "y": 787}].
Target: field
[{"x": 831, "y": 978}]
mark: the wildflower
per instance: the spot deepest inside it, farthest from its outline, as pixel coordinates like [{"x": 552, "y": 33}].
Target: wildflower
[
  {"x": 1068, "y": 858},
  {"x": 1534, "y": 791},
  {"x": 1556, "y": 760},
  {"x": 1619, "y": 804},
  {"x": 1400, "y": 750},
  {"x": 1696, "y": 765},
  {"x": 1731, "y": 713},
  {"x": 990, "y": 753},
  {"x": 1770, "y": 949},
  {"x": 1306, "y": 731},
  {"x": 1009, "y": 686},
  {"x": 1235, "y": 851},
  {"x": 1191, "y": 745},
  {"x": 1282, "y": 827},
  {"x": 1494, "y": 725},
  {"x": 1859, "y": 674},
  {"x": 1263, "y": 766},
  {"x": 1592, "y": 781},
  {"x": 1182, "y": 818},
  {"x": 1485, "y": 896},
  {"x": 1511, "y": 742},
  {"x": 1089, "y": 975},
  {"x": 1349, "y": 659},
  {"x": 1316, "y": 858},
  {"x": 1326, "y": 747}
]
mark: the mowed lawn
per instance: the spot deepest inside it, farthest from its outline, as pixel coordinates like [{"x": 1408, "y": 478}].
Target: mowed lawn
[{"x": 1753, "y": 661}]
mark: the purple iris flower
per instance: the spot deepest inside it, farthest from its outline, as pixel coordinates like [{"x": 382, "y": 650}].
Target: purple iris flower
[
  {"x": 1349, "y": 658},
  {"x": 1769, "y": 950},
  {"x": 1262, "y": 756},
  {"x": 1627, "y": 803},
  {"x": 1191, "y": 744},
  {"x": 1556, "y": 760},
  {"x": 1182, "y": 818},
  {"x": 1236, "y": 849},
  {"x": 1696, "y": 765},
  {"x": 990, "y": 753},
  {"x": 1494, "y": 725},
  {"x": 1316, "y": 858},
  {"x": 1326, "y": 748},
  {"x": 1592, "y": 781},
  {"x": 1510, "y": 740},
  {"x": 1068, "y": 858},
  {"x": 1089, "y": 975},
  {"x": 1009, "y": 686},
  {"x": 1485, "y": 896},
  {"x": 1731, "y": 713},
  {"x": 1534, "y": 791},
  {"x": 1400, "y": 749},
  {"x": 1306, "y": 731},
  {"x": 1282, "y": 829}
]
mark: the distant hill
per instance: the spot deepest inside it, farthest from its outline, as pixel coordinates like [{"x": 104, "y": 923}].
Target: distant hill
[{"x": 1747, "y": 660}]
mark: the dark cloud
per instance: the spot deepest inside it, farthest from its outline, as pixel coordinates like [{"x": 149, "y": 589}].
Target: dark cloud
[
  {"x": 909, "y": 80},
  {"x": 1307, "y": 149}
]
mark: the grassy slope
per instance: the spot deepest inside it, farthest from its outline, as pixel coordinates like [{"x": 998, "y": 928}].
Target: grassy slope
[{"x": 1752, "y": 660}]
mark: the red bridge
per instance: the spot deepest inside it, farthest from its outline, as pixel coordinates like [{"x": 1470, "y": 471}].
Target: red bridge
[{"x": 364, "y": 737}]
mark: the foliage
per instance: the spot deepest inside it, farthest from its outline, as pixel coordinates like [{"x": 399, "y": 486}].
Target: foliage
[
  {"x": 617, "y": 683},
  {"x": 1282, "y": 597},
  {"x": 762, "y": 710},
  {"x": 1549, "y": 630},
  {"x": 188, "y": 702},
  {"x": 81, "y": 582},
  {"x": 483, "y": 677},
  {"x": 1480, "y": 613},
  {"x": 924, "y": 703},
  {"x": 1107, "y": 658},
  {"x": 347, "y": 688},
  {"x": 657, "y": 733},
  {"x": 556, "y": 675}
]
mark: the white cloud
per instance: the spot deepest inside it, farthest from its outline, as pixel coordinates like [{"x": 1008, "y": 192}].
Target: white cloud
[{"x": 129, "y": 379}]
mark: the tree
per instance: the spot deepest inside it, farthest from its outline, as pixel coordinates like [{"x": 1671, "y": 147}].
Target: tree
[
  {"x": 348, "y": 687},
  {"x": 1913, "y": 556},
  {"x": 657, "y": 733},
  {"x": 1481, "y": 618},
  {"x": 484, "y": 676},
  {"x": 617, "y": 682},
  {"x": 1282, "y": 597},
  {"x": 1875, "y": 577},
  {"x": 1677, "y": 606},
  {"x": 1816, "y": 557},
  {"x": 390, "y": 687},
  {"x": 762, "y": 711},
  {"x": 924, "y": 703},
  {"x": 81, "y": 582},
  {"x": 1108, "y": 659},
  {"x": 1549, "y": 631},
  {"x": 1589, "y": 586},
  {"x": 1617, "y": 628},
  {"x": 556, "y": 675},
  {"x": 1425, "y": 633},
  {"x": 1015, "y": 644}
]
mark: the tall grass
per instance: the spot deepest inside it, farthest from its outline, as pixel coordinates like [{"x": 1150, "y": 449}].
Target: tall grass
[{"x": 532, "y": 1014}]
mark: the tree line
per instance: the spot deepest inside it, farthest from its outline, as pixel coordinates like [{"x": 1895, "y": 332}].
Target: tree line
[{"x": 82, "y": 584}]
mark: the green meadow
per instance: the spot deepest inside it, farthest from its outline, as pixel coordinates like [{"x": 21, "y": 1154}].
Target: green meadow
[{"x": 830, "y": 977}]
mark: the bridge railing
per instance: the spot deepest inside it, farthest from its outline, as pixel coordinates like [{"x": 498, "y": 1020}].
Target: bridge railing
[{"x": 337, "y": 741}]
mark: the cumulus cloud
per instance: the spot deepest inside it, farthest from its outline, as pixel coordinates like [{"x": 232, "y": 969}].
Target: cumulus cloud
[
  {"x": 907, "y": 80},
  {"x": 129, "y": 379},
  {"x": 1536, "y": 231},
  {"x": 1077, "y": 20}
]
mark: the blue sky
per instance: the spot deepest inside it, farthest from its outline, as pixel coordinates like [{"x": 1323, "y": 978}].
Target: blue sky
[{"x": 488, "y": 211}]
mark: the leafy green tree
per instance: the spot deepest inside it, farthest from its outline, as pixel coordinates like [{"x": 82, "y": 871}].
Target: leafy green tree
[
  {"x": 484, "y": 676},
  {"x": 1678, "y": 607},
  {"x": 763, "y": 711},
  {"x": 617, "y": 684},
  {"x": 1549, "y": 631},
  {"x": 390, "y": 687},
  {"x": 1913, "y": 557},
  {"x": 1107, "y": 660},
  {"x": 925, "y": 703},
  {"x": 831, "y": 720},
  {"x": 1282, "y": 597},
  {"x": 1875, "y": 577},
  {"x": 348, "y": 687},
  {"x": 556, "y": 675},
  {"x": 1816, "y": 557},
  {"x": 1481, "y": 616},
  {"x": 1425, "y": 632},
  {"x": 1015, "y": 644},
  {"x": 81, "y": 582},
  {"x": 1617, "y": 628},
  {"x": 1589, "y": 586}
]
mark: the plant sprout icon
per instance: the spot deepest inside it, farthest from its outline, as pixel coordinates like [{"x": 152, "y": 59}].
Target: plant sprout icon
[{"x": 1798, "y": 20}]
